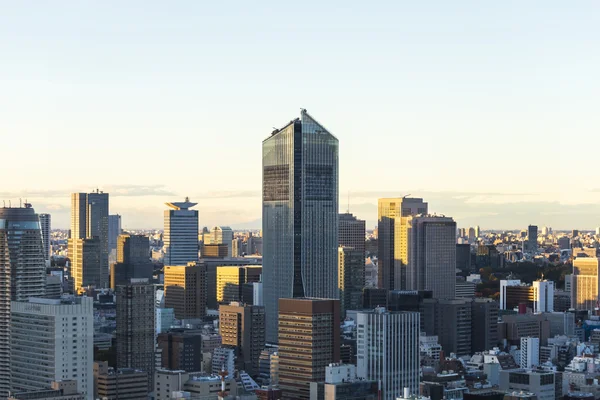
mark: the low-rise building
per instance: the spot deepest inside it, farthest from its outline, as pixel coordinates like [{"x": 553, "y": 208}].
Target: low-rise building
[{"x": 122, "y": 384}]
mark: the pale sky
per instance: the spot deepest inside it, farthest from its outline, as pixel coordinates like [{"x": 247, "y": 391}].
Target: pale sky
[{"x": 487, "y": 109}]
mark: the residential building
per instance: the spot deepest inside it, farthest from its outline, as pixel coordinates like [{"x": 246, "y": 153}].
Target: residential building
[
  {"x": 132, "y": 260},
  {"x": 22, "y": 271},
  {"x": 584, "y": 283},
  {"x": 62, "y": 390},
  {"x": 530, "y": 352},
  {"x": 243, "y": 327},
  {"x": 392, "y": 227},
  {"x": 121, "y": 384},
  {"x": 35, "y": 360},
  {"x": 300, "y": 215},
  {"x": 309, "y": 340},
  {"x": 351, "y": 278},
  {"x": 135, "y": 327},
  {"x": 388, "y": 350},
  {"x": 46, "y": 227},
  {"x": 181, "y": 233},
  {"x": 185, "y": 290},
  {"x": 231, "y": 281}
]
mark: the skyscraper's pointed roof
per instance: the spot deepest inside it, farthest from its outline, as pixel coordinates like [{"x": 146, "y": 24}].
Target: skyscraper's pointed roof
[{"x": 306, "y": 118}]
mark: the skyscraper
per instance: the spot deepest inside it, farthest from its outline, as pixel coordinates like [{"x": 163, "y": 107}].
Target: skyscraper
[
  {"x": 392, "y": 227},
  {"x": 309, "y": 340},
  {"x": 89, "y": 233},
  {"x": 431, "y": 247},
  {"x": 185, "y": 290},
  {"x": 133, "y": 260},
  {"x": 22, "y": 272},
  {"x": 532, "y": 234},
  {"x": 46, "y": 226},
  {"x": 223, "y": 235},
  {"x": 181, "y": 233},
  {"x": 351, "y": 232},
  {"x": 351, "y": 278},
  {"x": 114, "y": 230},
  {"x": 388, "y": 350},
  {"x": 135, "y": 327},
  {"x": 530, "y": 352},
  {"x": 584, "y": 283},
  {"x": 300, "y": 215}
]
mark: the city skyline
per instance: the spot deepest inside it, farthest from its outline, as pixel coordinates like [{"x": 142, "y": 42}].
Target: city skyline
[{"x": 505, "y": 72}]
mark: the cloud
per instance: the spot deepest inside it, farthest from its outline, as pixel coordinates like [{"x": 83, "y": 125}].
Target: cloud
[
  {"x": 112, "y": 190},
  {"x": 233, "y": 194}
]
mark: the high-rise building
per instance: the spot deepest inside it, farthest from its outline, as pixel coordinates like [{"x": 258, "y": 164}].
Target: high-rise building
[
  {"x": 132, "y": 260},
  {"x": 89, "y": 234},
  {"x": 530, "y": 352},
  {"x": 351, "y": 278},
  {"x": 309, "y": 340},
  {"x": 300, "y": 215},
  {"x": 36, "y": 361},
  {"x": 181, "y": 233},
  {"x": 543, "y": 296},
  {"x": 181, "y": 349},
  {"x": 393, "y": 214},
  {"x": 46, "y": 226},
  {"x": 135, "y": 327},
  {"x": 431, "y": 247},
  {"x": 532, "y": 235},
  {"x": 484, "y": 324},
  {"x": 223, "y": 235},
  {"x": 351, "y": 232},
  {"x": 388, "y": 350},
  {"x": 22, "y": 271},
  {"x": 114, "y": 230},
  {"x": 451, "y": 321},
  {"x": 185, "y": 290},
  {"x": 584, "y": 283},
  {"x": 231, "y": 281},
  {"x": 477, "y": 232},
  {"x": 243, "y": 327}
]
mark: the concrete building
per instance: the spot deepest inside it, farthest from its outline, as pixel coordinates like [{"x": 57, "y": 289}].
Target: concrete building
[
  {"x": 541, "y": 383},
  {"x": 392, "y": 227},
  {"x": 584, "y": 283},
  {"x": 504, "y": 284},
  {"x": 185, "y": 290},
  {"x": 451, "y": 321},
  {"x": 465, "y": 290},
  {"x": 530, "y": 352},
  {"x": 341, "y": 383},
  {"x": 352, "y": 232},
  {"x": 46, "y": 227},
  {"x": 514, "y": 327},
  {"x": 132, "y": 260},
  {"x": 243, "y": 327},
  {"x": 300, "y": 215},
  {"x": 223, "y": 359},
  {"x": 165, "y": 318},
  {"x": 351, "y": 278},
  {"x": 431, "y": 246},
  {"x": 63, "y": 390},
  {"x": 185, "y": 385},
  {"x": 532, "y": 236},
  {"x": 181, "y": 233},
  {"x": 223, "y": 235},
  {"x": 309, "y": 336},
  {"x": 484, "y": 324},
  {"x": 388, "y": 350},
  {"x": 181, "y": 349},
  {"x": 231, "y": 280},
  {"x": 114, "y": 230},
  {"x": 543, "y": 296},
  {"x": 52, "y": 340},
  {"x": 135, "y": 327},
  {"x": 53, "y": 287},
  {"x": 121, "y": 384},
  {"x": 22, "y": 272}
]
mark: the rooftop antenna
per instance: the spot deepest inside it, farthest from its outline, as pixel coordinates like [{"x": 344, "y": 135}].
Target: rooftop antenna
[{"x": 405, "y": 196}]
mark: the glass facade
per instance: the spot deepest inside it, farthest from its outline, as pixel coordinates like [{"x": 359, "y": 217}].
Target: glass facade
[{"x": 300, "y": 215}]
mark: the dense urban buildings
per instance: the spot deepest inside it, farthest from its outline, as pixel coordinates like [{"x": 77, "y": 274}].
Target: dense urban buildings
[
  {"x": 181, "y": 233},
  {"x": 388, "y": 350},
  {"x": 231, "y": 281},
  {"x": 300, "y": 215},
  {"x": 392, "y": 226},
  {"x": 122, "y": 384},
  {"x": 185, "y": 290},
  {"x": 22, "y": 271},
  {"x": 309, "y": 340}
]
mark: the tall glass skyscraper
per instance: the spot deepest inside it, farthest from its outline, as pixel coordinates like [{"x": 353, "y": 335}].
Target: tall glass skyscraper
[
  {"x": 181, "y": 233},
  {"x": 300, "y": 215},
  {"x": 22, "y": 273}
]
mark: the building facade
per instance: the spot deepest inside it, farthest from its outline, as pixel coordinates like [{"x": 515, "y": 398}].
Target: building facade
[
  {"x": 122, "y": 384},
  {"x": 181, "y": 233},
  {"x": 300, "y": 215},
  {"x": 584, "y": 283},
  {"x": 185, "y": 290},
  {"x": 351, "y": 278},
  {"x": 231, "y": 281},
  {"x": 132, "y": 260},
  {"x": 46, "y": 226}
]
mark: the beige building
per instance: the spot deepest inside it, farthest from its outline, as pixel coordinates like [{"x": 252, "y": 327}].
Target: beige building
[
  {"x": 185, "y": 290},
  {"x": 584, "y": 283},
  {"x": 230, "y": 281},
  {"x": 122, "y": 384}
]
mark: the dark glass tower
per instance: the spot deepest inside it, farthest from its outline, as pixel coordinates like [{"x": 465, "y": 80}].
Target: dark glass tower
[{"x": 300, "y": 215}]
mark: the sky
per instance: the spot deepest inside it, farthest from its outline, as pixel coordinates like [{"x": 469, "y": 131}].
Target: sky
[{"x": 488, "y": 110}]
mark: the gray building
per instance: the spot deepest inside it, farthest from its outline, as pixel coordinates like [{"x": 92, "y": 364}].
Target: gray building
[
  {"x": 23, "y": 272},
  {"x": 484, "y": 324},
  {"x": 132, "y": 260},
  {"x": 300, "y": 215},
  {"x": 46, "y": 226},
  {"x": 451, "y": 321},
  {"x": 541, "y": 383},
  {"x": 351, "y": 232},
  {"x": 532, "y": 235},
  {"x": 351, "y": 278},
  {"x": 135, "y": 327},
  {"x": 114, "y": 230},
  {"x": 181, "y": 233}
]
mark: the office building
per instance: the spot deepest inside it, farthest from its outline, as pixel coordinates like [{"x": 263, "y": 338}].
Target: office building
[
  {"x": 564, "y": 243},
  {"x": 185, "y": 290},
  {"x": 431, "y": 247},
  {"x": 309, "y": 340},
  {"x": 392, "y": 227},
  {"x": 186, "y": 385},
  {"x": 35, "y": 361},
  {"x": 121, "y": 384},
  {"x": 532, "y": 235},
  {"x": 511, "y": 297},
  {"x": 114, "y": 230},
  {"x": 540, "y": 384},
  {"x": 465, "y": 290},
  {"x": 407, "y": 300},
  {"x": 165, "y": 318},
  {"x": 543, "y": 296},
  {"x": 223, "y": 235},
  {"x": 300, "y": 215},
  {"x": 53, "y": 287},
  {"x": 463, "y": 257},
  {"x": 352, "y": 232},
  {"x": 252, "y": 294},
  {"x": 341, "y": 383},
  {"x": 23, "y": 272},
  {"x": 388, "y": 350},
  {"x": 584, "y": 283},
  {"x": 88, "y": 244},
  {"x": 231, "y": 281},
  {"x": 514, "y": 327},
  {"x": 530, "y": 352},
  {"x": 181, "y": 233},
  {"x": 135, "y": 326},
  {"x": 451, "y": 321},
  {"x": 214, "y": 250},
  {"x": 351, "y": 278},
  {"x": 484, "y": 324},
  {"x": 181, "y": 349},
  {"x": 132, "y": 260},
  {"x": 243, "y": 327},
  {"x": 63, "y": 390},
  {"x": 374, "y": 297},
  {"x": 46, "y": 227},
  {"x": 223, "y": 359}
]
